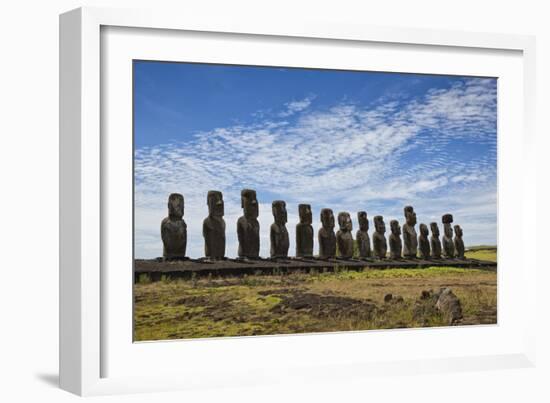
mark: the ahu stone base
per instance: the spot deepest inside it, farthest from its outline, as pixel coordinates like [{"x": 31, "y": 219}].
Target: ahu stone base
[{"x": 156, "y": 269}]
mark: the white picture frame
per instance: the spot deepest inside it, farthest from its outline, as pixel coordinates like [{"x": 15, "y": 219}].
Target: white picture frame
[{"x": 91, "y": 341}]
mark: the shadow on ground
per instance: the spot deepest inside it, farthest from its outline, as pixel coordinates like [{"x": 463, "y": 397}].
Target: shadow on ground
[{"x": 49, "y": 379}]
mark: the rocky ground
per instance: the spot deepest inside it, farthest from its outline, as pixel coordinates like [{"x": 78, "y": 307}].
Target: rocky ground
[{"x": 315, "y": 302}]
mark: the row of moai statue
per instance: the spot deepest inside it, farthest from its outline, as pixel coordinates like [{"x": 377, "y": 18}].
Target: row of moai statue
[{"x": 174, "y": 233}]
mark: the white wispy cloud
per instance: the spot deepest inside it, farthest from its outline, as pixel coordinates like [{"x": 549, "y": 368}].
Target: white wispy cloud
[
  {"x": 347, "y": 157},
  {"x": 296, "y": 106}
]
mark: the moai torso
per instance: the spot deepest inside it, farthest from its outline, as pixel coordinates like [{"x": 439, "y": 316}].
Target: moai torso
[
  {"x": 435, "y": 243},
  {"x": 423, "y": 242},
  {"x": 363, "y": 243},
  {"x": 213, "y": 227},
  {"x": 213, "y": 230},
  {"x": 395, "y": 240},
  {"x": 448, "y": 244},
  {"x": 379, "y": 244},
  {"x": 248, "y": 227},
  {"x": 362, "y": 236},
  {"x": 459, "y": 242},
  {"x": 304, "y": 232},
  {"x": 278, "y": 232},
  {"x": 173, "y": 229},
  {"x": 248, "y": 232},
  {"x": 327, "y": 238},
  {"x": 344, "y": 238},
  {"x": 410, "y": 240}
]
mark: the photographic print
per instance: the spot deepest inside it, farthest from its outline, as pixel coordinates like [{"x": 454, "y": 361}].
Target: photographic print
[{"x": 275, "y": 200}]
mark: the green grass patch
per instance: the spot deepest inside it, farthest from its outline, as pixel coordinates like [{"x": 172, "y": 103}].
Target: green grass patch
[
  {"x": 482, "y": 254},
  {"x": 301, "y": 302},
  {"x": 395, "y": 273}
]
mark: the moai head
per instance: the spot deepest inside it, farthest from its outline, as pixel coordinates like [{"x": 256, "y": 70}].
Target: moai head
[
  {"x": 379, "y": 225},
  {"x": 344, "y": 221},
  {"x": 435, "y": 229},
  {"x": 458, "y": 231},
  {"x": 410, "y": 215},
  {"x": 327, "y": 218},
  {"x": 278, "y": 208},
  {"x": 249, "y": 203},
  {"x": 424, "y": 230},
  {"x": 175, "y": 206},
  {"x": 214, "y": 199},
  {"x": 395, "y": 228},
  {"x": 363, "y": 221},
  {"x": 304, "y": 210},
  {"x": 447, "y": 220}
]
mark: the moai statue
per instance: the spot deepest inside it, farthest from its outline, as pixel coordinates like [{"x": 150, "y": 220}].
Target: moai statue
[
  {"x": 278, "y": 232},
  {"x": 459, "y": 242},
  {"x": 379, "y": 243},
  {"x": 213, "y": 227},
  {"x": 435, "y": 243},
  {"x": 448, "y": 245},
  {"x": 327, "y": 238},
  {"x": 173, "y": 229},
  {"x": 248, "y": 227},
  {"x": 304, "y": 232},
  {"x": 395, "y": 240},
  {"x": 424, "y": 242},
  {"x": 410, "y": 240},
  {"x": 344, "y": 238},
  {"x": 362, "y": 236}
]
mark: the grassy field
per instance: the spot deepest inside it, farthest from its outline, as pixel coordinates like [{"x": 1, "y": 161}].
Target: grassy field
[{"x": 306, "y": 303}]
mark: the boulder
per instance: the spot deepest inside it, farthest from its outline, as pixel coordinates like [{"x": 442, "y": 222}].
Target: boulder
[{"x": 449, "y": 305}]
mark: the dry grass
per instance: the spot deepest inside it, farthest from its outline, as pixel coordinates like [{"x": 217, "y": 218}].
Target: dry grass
[{"x": 298, "y": 303}]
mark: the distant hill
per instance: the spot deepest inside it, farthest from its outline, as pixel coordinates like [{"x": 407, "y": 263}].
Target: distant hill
[{"x": 481, "y": 247}]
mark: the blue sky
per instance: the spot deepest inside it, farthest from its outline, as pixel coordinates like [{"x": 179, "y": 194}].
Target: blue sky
[{"x": 345, "y": 140}]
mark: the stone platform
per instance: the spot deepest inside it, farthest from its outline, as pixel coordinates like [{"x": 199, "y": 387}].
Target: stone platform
[{"x": 157, "y": 268}]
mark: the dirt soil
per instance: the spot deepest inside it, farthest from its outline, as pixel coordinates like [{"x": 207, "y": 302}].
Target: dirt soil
[{"x": 308, "y": 302}]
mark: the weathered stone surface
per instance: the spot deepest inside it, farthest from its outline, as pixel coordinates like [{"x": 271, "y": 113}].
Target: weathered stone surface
[
  {"x": 410, "y": 239},
  {"x": 459, "y": 242},
  {"x": 424, "y": 310},
  {"x": 304, "y": 232},
  {"x": 424, "y": 242},
  {"x": 344, "y": 237},
  {"x": 379, "y": 243},
  {"x": 449, "y": 305},
  {"x": 327, "y": 238},
  {"x": 248, "y": 227},
  {"x": 447, "y": 218},
  {"x": 448, "y": 244},
  {"x": 278, "y": 232},
  {"x": 435, "y": 242},
  {"x": 173, "y": 229},
  {"x": 362, "y": 236},
  {"x": 324, "y": 306},
  {"x": 213, "y": 226},
  {"x": 442, "y": 302},
  {"x": 174, "y": 233},
  {"x": 395, "y": 299},
  {"x": 231, "y": 267},
  {"x": 396, "y": 245}
]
